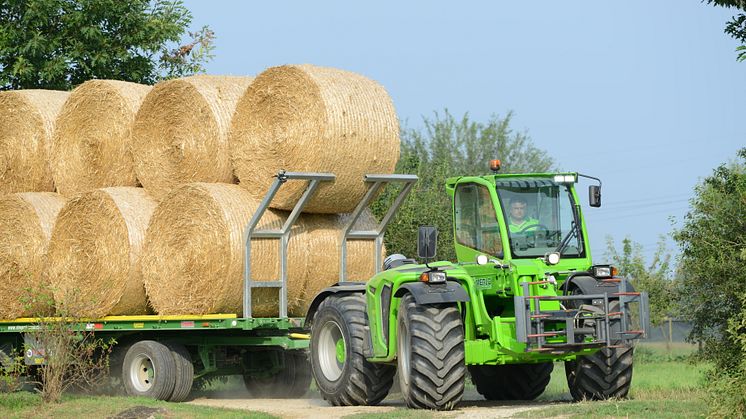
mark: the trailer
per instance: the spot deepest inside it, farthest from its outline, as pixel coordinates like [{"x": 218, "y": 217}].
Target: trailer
[{"x": 161, "y": 356}]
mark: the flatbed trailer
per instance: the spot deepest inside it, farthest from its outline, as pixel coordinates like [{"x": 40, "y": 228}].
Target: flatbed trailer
[{"x": 161, "y": 356}]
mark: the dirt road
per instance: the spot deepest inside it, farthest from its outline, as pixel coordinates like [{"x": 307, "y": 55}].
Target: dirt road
[{"x": 472, "y": 407}]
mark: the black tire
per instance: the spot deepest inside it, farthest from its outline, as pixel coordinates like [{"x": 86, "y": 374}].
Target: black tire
[
  {"x": 183, "y": 372},
  {"x": 430, "y": 351},
  {"x": 292, "y": 382},
  {"x": 148, "y": 370},
  {"x": 511, "y": 382},
  {"x": 605, "y": 374},
  {"x": 352, "y": 380}
]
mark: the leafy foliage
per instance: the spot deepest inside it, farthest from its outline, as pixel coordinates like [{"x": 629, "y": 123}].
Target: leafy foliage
[
  {"x": 58, "y": 44},
  {"x": 655, "y": 277},
  {"x": 712, "y": 242},
  {"x": 736, "y": 27},
  {"x": 451, "y": 147}
]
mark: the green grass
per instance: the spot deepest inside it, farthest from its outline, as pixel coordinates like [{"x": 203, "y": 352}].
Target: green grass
[
  {"x": 29, "y": 405},
  {"x": 665, "y": 384}
]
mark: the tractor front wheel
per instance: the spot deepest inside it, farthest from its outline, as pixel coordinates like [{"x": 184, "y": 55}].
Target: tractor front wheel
[
  {"x": 343, "y": 375},
  {"x": 430, "y": 351},
  {"x": 605, "y": 374}
]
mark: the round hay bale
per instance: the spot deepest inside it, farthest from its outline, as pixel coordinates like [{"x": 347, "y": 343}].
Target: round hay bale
[
  {"x": 193, "y": 256},
  {"x": 26, "y": 127},
  {"x": 91, "y": 146},
  {"x": 26, "y": 221},
  {"x": 94, "y": 252},
  {"x": 323, "y": 237},
  {"x": 305, "y": 118},
  {"x": 181, "y": 132}
]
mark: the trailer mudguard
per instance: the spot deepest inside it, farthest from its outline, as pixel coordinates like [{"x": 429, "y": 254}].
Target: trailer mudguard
[
  {"x": 450, "y": 292},
  {"x": 340, "y": 287}
]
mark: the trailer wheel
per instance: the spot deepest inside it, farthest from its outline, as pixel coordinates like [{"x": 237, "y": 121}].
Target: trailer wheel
[
  {"x": 183, "y": 372},
  {"x": 292, "y": 382},
  {"x": 430, "y": 351},
  {"x": 343, "y": 375},
  {"x": 511, "y": 382},
  {"x": 148, "y": 370},
  {"x": 606, "y": 373}
]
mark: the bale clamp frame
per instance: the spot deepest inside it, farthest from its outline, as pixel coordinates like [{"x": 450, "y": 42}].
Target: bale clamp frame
[
  {"x": 586, "y": 327},
  {"x": 375, "y": 183}
]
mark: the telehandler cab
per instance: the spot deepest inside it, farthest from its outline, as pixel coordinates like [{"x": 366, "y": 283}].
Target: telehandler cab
[{"x": 523, "y": 295}]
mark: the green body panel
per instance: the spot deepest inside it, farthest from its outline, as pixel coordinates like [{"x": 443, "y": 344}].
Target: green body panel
[{"x": 489, "y": 316}]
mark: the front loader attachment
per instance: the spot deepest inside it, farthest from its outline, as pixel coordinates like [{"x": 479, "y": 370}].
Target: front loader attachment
[{"x": 580, "y": 324}]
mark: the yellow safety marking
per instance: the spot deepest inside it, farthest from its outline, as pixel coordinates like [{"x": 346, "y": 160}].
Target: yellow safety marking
[
  {"x": 305, "y": 336},
  {"x": 122, "y": 318}
]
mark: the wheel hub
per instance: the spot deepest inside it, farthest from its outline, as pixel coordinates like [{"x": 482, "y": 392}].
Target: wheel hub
[
  {"x": 142, "y": 373},
  {"x": 332, "y": 351}
]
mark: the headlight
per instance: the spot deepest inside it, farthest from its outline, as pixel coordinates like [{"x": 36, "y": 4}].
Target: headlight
[
  {"x": 482, "y": 259},
  {"x": 433, "y": 277},
  {"x": 565, "y": 178},
  {"x": 603, "y": 271},
  {"x": 552, "y": 258}
]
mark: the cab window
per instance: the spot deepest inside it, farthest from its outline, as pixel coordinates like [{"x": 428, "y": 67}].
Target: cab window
[{"x": 476, "y": 220}]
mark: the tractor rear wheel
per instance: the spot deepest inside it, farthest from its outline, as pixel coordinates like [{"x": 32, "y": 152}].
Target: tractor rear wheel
[
  {"x": 292, "y": 382},
  {"x": 511, "y": 382},
  {"x": 430, "y": 351},
  {"x": 343, "y": 375},
  {"x": 605, "y": 374}
]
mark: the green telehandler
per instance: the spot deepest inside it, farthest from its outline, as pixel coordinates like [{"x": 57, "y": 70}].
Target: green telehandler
[{"x": 523, "y": 295}]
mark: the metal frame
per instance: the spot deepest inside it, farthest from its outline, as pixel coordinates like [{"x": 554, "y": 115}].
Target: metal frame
[
  {"x": 283, "y": 235},
  {"x": 375, "y": 184},
  {"x": 530, "y": 321}
]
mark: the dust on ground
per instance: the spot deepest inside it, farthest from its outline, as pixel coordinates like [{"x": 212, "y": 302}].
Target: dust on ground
[{"x": 471, "y": 408}]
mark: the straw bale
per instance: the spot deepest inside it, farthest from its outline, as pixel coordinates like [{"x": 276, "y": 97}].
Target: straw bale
[
  {"x": 26, "y": 221},
  {"x": 314, "y": 119},
  {"x": 323, "y": 240},
  {"x": 193, "y": 257},
  {"x": 181, "y": 132},
  {"x": 26, "y": 127},
  {"x": 91, "y": 146},
  {"x": 94, "y": 252}
]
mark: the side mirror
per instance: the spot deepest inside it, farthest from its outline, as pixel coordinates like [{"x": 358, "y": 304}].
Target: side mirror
[
  {"x": 594, "y": 196},
  {"x": 427, "y": 242}
]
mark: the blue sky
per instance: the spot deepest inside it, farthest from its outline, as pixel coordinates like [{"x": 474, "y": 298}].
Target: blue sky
[{"x": 646, "y": 95}]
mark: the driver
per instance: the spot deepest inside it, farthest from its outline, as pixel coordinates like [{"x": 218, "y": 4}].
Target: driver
[{"x": 518, "y": 222}]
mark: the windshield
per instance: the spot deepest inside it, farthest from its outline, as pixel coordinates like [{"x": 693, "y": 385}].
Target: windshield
[{"x": 539, "y": 214}]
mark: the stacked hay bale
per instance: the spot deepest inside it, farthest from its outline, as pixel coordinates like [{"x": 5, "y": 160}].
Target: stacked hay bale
[
  {"x": 116, "y": 250},
  {"x": 26, "y": 126},
  {"x": 192, "y": 260},
  {"x": 181, "y": 132},
  {"x": 305, "y": 118},
  {"x": 93, "y": 257},
  {"x": 91, "y": 147},
  {"x": 26, "y": 222}
]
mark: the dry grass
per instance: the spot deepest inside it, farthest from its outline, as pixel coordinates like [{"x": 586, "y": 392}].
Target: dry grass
[
  {"x": 91, "y": 147},
  {"x": 26, "y": 127},
  {"x": 26, "y": 220},
  {"x": 305, "y": 118},
  {"x": 94, "y": 252},
  {"x": 181, "y": 132}
]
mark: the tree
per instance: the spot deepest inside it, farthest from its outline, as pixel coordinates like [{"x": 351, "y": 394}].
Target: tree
[
  {"x": 451, "y": 147},
  {"x": 655, "y": 277},
  {"x": 58, "y": 44},
  {"x": 712, "y": 241},
  {"x": 736, "y": 27}
]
